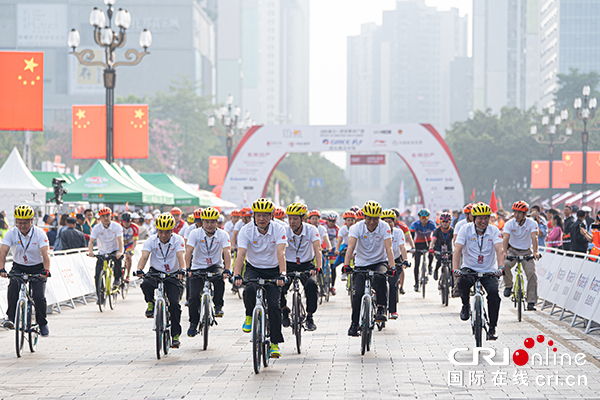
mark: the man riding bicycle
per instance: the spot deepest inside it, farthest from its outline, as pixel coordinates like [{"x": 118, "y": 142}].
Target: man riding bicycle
[
  {"x": 262, "y": 244},
  {"x": 179, "y": 222},
  {"x": 246, "y": 217},
  {"x": 520, "y": 235},
  {"x": 372, "y": 241},
  {"x": 342, "y": 239},
  {"x": 165, "y": 251},
  {"x": 468, "y": 219},
  {"x": 314, "y": 218},
  {"x": 422, "y": 231},
  {"x": 235, "y": 217},
  {"x": 400, "y": 259},
  {"x": 207, "y": 258},
  {"x": 441, "y": 239},
  {"x": 131, "y": 234},
  {"x": 29, "y": 247},
  {"x": 481, "y": 247},
  {"x": 304, "y": 244},
  {"x": 109, "y": 237}
]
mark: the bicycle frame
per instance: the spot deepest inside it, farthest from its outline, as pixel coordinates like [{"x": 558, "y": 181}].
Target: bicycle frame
[
  {"x": 160, "y": 299},
  {"x": 478, "y": 296},
  {"x": 368, "y": 295},
  {"x": 206, "y": 296},
  {"x": 260, "y": 305}
]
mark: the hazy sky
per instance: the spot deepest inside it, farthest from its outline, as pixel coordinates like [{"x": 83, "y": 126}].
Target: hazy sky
[{"x": 331, "y": 22}]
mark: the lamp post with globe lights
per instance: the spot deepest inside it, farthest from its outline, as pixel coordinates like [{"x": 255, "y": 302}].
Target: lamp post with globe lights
[
  {"x": 110, "y": 40},
  {"x": 585, "y": 109}
]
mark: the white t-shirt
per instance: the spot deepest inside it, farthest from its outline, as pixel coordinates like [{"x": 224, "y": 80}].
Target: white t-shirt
[
  {"x": 228, "y": 227},
  {"x": 208, "y": 249},
  {"x": 459, "y": 225},
  {"x": 238, "y": 225},
  {"x": 188, "y": 229},
  {"x": 280, "y": 222},
  {"x": 397, "y": 240},
  {"x": 26, "y": 250},
  {"x": 107, "y": 239},
  {"x": 300, "y": 248},
  {"x": 322, "y": 233},
  {"x": 163, "y": 256},
  {"x": 478, "y": 252},
  {"x": 370, "y": 248},
  {"x": 261, "y": 250},
  {"x": 520, "y": 236},
  {"x": 343, "y": 233}
]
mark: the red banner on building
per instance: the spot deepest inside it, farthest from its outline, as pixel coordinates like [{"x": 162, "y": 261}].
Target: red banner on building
[
  {"x": 367, "y": 159},
  {"x": 572, "y": 166},
  {"x": 539, "y": 174}
]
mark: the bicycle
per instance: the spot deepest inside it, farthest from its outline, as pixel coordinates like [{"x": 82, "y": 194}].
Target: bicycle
[
  {"x": 124, "y": 285},
  {"x": 260, "y": 325},
  {"x": 236, "y": 289},
  {"x": 324, "y": 279},
  {"x": 104, "y": 283},
  {"x": 25, "y": 321},
  {"x": 445, "y": 283},
  {"x": 367, "y": 317},
  {"x": 518, "y": 295},
  {"x": 298, "y": 314},
  {"x": 424, "y": 276},
  {"x": 479, "y": 319},
  {"x": 207, "y": 313}
]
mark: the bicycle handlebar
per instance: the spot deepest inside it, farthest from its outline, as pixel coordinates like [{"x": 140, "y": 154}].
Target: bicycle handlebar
[
  {"x": 160, "y": 275},
  {"x": 520, "y": 258},
  {"x": 442, "y": 253},
  {"x": 297, "y": 274},
  {"x": 368, "y": 271},
  {"x": 108, "y": 257},
  {"x": 260, "y": 281},
  {"x": 200, "y": 273},
  {"x": 470, "y": 272},
  {"x": 32, "y": 277}
]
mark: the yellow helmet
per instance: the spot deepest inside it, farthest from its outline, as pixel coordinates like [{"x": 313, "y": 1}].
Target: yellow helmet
[
  {"x": 191, "y": 218},
  {"x": 388, "y": 214},
  {"x": 24, "y": 212},
  {"x": 296, "y": 209},
  {"x": 372, "y": 209},
  {"x": 165, "y": 222},
  {"x": 263, "y": 205},
  {"x": 210, "y": 213},
  {"x": 481, "y": 209}
]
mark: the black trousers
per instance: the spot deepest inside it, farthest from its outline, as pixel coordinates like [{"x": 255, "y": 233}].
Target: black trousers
[
  {"x": 173, "y": 291},
  {"x": 392, "y": 283},
  {"x": 273, "y": 298},
  {"x": 196, "y": 285},
  {"x": 116, "y": 270},
  {"x": 417, "y": 256},
  {"x": 490, "y": 284},
  {"x": 311, "y": 289},
  {"x": 379, "y": 284},
  {"x": 38, "y": 292}
]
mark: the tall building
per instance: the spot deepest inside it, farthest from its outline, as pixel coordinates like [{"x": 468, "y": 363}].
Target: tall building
[
  {"x": 505, "y": 54},
  {"x": 262, "y": 58},
  {"x": 183, "y": 46}
]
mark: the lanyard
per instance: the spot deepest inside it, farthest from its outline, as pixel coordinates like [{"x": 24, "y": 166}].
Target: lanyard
[
  {"x": 28, "y": 243},
  {"x": 445, "y": 236},
  {"x": 482, "y": 235},
  {"x": 161, "y": 252},
  {"x": 208, "y": 249},
  {"x": 299, "y": 244}
]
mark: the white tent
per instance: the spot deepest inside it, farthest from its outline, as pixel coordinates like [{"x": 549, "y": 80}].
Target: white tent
[{"x": 18, "y": 185}]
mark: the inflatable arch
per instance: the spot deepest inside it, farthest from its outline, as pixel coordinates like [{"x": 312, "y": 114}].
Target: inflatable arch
[{"x": 420, "y": 146}]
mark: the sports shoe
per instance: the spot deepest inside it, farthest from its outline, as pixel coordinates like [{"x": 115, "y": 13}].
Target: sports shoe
[
  {"x": 353, "y": 330},
  {"x": 176, "y": 343},
  {"x": 465, "y": 312},
  {"x": 310, "y": 323},
  {"x": 285, "y": 319},
  {"x": 491, "y": 334},
  {"x": 192, "y": 330},
  {"x": 435, "y": 275},
  {"x": 247, "y": 326},
  {"x": 380, "y": 316},
  {"x": 8, "y": 324},
  {"x": 394, "y": 315},
  {"x": 531, "y": 307},
  {"x": 507, "y": 292},
  {"x": 275, "y": 353},
  {"x": 150, "y": 310},
  {"x": 333, "y": 292},
  {"x": 44, "y": 330},
  {"x": 219, "y": 312},
  {"x": 430, "y": 269},
  {"x": 417, "y": 287},
  {"x": 402, "y": 291},
  {"x": 344, "y": 277},
  {"x": 455, "y": 292}
]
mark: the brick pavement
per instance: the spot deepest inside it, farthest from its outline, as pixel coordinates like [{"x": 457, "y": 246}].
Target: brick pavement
[{"x": 111, "y": 355}]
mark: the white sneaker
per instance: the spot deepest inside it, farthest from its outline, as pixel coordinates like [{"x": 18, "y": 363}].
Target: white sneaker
[{"x": 344, "y": 277}]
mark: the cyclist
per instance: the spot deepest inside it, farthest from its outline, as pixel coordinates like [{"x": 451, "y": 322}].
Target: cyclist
[
  {"x": 263, "y": 244},
  {"x": 195, "y": 221},
  {"x": 360, "y": 216},
  {"x": 314, "y": 218},
  {"x": 481, "y": 247},
  {"x": 400, "y": 259},
  {"x": 279, "y": 216},
  {"x": 468, "y": 218},
  {"x": 372, "y": 241},
  {"x": 131, "y": 233},
  {"x": 408, "y": 239},
  {"x": 441, "y": 239},
  {"x": 520, "y": 236},
  {"x": 207, "y": 258},
  {"x": 330, "y": 218},
  {"x": 179, "y": 222},
  {"x": 421, "y": 231},
  {"x": 235, "y": 217},
  {"x": 246, "y": 216},
  {"x": 304, "y": 245},
  {"x": 29, "y": 246},
  {"x": 109, "y": 237},
  {"x": 342, "y": 239}
]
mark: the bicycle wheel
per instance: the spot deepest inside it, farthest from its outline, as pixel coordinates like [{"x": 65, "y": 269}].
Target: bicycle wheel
[
  {"x": 478, "y": 326},
  {"x": 328, "y": 283},
  {"x": 20, "y": 327},
  {"x": 32, "y": 328},
  {"x": 445, "y": 286},
  {"x": 158, "y": 327},
  {"x": 257, "y": 345},
  {"x": 101, "y": 291},
  {"x": 321, "y": 284},
  {"x": 423, "y": 276},
  {"x": 111, "y": 293},
  {"x": 167, "y": 339},
  {"x": 124, "y": 287},
  {"x": 519, "y": 299},
  {"x": 205, "y": 320},
  {"x": 296, "y": 310},
  {"x": 365, "y": 325}
]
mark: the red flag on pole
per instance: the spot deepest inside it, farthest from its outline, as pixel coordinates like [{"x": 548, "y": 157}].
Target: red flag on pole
[
  {"x": 493, "y": 202},
  {"x": 473, "y": 196}
]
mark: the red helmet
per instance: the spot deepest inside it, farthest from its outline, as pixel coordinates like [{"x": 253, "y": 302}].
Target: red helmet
[
  {"x": 360, "y": 215},
  {"x": 520, "y": 206},
  {"x": 468, "y": 208},
  {"x": 246, "y": 212},
  {"x": 279, "y": 213},
  {"x": 314, "y": 213},
  {"x": 236, "y": 213},
  {"x": 176, "y": 211},
  {"x": 349, "y": 214},
  {"x": 104, "y": 211},
  {"x": 198, "y": 213}
]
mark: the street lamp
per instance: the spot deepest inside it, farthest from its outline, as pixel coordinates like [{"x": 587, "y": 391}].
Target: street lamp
[
  {"x": 551, "y": 122},
  {"x": 231, "y": 120},
  {"x": 585, "y": 112},
  {"x": 110, "y": 40}
]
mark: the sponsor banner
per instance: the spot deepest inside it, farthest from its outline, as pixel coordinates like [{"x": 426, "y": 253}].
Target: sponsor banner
[{"x": 367, "y": 159}]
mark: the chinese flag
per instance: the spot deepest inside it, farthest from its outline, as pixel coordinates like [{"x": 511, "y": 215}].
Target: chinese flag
[
  {"x": 539, "y": 174},
  {"x": 217, "y": 170},
  {"x": 21, "y": 91},
  {"x": 593, "y": 167},
  {"x": 558, "y": 176},
  {"x": 572, "y": 166},
  {"x": 131, "y": 131},
  {"x": 89, "y": 131},
  {"x": 473, "y": 196},
  {"x": 493, "y": 201}
]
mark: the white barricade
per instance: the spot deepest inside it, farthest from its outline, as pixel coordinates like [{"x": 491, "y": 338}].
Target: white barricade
[
  {"x": 583, "y": 299},
  {"x": 3, "y": 299},
  {"x": 547, "y": 268}
]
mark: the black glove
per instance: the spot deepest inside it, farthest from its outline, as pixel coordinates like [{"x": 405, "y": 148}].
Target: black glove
[
  {"x": 499, "y": 272},
  {"x": 457, "y": 272},
  {"x": 45, "y": 274},
  {"x": 139, "y": 272},
  {"x": 391, "y": 272},
  {"x": 3, "y": 271},
  {"x": 405, "y": 262},
  {"x": 347, "y": 269},
  {"x": 235, "y": 278},
  {"x": 180, "y": 272},
  {"x": 227, "y": 273},
  {"x": 282, "y": 278}
]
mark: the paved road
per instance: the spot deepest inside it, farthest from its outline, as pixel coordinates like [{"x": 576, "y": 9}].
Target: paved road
[{"x": 111, "y": 356}]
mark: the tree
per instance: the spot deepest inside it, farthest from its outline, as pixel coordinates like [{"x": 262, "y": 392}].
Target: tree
[
  {"x": 287, "y": 191},
  {"x": 570, "y": 86}
]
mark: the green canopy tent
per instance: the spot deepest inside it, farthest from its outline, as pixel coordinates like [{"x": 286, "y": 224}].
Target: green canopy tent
[
  {"x": 165, "y": 197},
  {"x": 152, "y": 194},
  {"x": 102, "y": 184},
  {"x": 45, "y": 177},
  {"x": 184, "y": 195}
]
